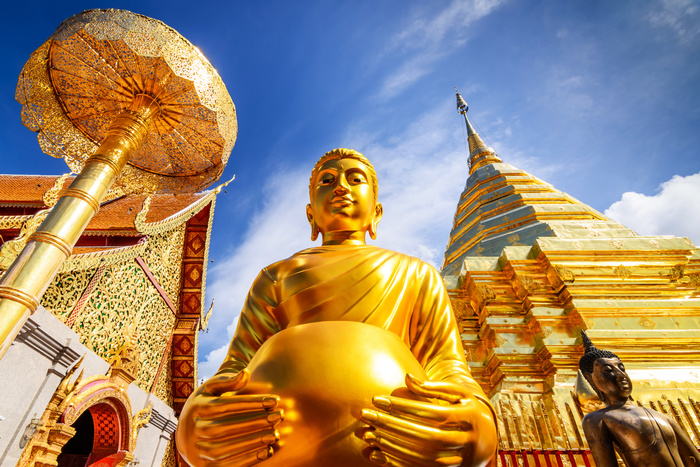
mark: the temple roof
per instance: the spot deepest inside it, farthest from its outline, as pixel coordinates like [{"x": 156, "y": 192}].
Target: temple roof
[{"x": 116, "y": 215}]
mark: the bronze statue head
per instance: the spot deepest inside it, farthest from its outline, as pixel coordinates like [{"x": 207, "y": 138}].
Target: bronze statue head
[{"x": 605, "y": 372}]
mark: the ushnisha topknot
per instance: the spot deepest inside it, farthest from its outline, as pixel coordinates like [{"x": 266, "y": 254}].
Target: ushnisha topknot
[{"x": 585, "y": 364}]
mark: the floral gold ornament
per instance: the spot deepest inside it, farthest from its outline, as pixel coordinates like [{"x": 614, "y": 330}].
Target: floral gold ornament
[{"x": 122, "y": 98}]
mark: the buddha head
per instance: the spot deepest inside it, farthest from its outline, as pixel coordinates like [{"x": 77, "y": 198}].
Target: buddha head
[
  {"x": 605, "y": 373},
  {"x": 343, "y": 196}
]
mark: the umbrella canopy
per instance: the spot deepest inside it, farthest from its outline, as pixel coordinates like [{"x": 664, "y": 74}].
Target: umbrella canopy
[{"x": 96, "y": 66}]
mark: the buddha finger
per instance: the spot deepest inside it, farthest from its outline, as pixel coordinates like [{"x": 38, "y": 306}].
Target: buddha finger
[
  {"x": 424, "y": 412},
  {"x": 224, "y": 406},
  {"x": 413, "y": 454},
  {"x": 227, "y": 381},
  {"x": 218, "y": 449},
  {"x": 239, "y": 424},
  {"x": 243, "y": 460},
  {"x": 443, "y": 390},
  {"x": 414, "y": 432}
]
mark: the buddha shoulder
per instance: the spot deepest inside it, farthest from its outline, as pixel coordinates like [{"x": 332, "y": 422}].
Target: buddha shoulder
[{"x": 325, "y": 260}]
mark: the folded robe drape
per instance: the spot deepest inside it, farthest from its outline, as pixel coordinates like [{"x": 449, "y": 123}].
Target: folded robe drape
[{"x": 359, "y": 283}]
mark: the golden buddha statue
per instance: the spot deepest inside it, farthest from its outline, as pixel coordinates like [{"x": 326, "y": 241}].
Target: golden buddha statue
[
  {"x": 643, "y": 437},
  {"x": 344, "y": 355}
]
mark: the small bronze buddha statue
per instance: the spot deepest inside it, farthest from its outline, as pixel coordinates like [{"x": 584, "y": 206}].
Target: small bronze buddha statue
[{"x": 642, "y": 437}]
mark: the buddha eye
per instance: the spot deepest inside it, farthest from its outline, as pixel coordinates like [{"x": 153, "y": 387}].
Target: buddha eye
[
  {"x": 357, "y": 178},
  {"x": 326, "y": 179}
]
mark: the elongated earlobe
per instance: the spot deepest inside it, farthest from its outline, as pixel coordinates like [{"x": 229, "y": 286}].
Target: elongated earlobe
[
  {"x": 378, "y": 212},
  {"x": 314, "y": 228}
]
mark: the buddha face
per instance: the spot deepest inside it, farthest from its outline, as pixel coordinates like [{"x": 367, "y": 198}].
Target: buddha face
[
  {"x": 342, "y": 197},
  {"x": 610, "y": 378}
]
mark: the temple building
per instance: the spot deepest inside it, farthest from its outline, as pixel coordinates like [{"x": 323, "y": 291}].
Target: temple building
[
  {"x": 528, "y": 266},
  {"x": 99, "y": 373}
]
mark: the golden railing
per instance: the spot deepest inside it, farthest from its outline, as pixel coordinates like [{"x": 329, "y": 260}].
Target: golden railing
[{"x": 539, "y": 433}]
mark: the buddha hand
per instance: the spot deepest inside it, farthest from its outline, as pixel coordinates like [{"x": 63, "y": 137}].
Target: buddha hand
[
  {"x": 457, "y": 430},
  {"x": 220, "y": 428}
]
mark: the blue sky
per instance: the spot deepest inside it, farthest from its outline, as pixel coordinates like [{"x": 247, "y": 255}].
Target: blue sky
[{"x": 599, "y": 98}]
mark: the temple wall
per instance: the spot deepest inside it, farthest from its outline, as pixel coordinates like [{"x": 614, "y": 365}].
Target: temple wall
[{"x": 33, "y": 367}]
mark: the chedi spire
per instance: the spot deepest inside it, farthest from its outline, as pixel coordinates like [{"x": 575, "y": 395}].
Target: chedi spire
[{"x": 479, "y": 154}]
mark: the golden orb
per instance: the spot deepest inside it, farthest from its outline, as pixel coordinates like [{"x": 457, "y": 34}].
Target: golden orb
[{"x": 325, "y": 373}]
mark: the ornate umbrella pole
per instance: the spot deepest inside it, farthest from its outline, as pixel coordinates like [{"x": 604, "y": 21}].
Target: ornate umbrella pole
[
  {"x": 30, "y": 274},
  {"x": 147, "y": 106}
]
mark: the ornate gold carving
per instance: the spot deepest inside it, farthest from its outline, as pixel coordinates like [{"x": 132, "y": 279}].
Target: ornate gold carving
[
  {"x": 46, "y": 444},
  {"x": 169, "y": 456},
  {"x": 204, "y": 322},
  {"x": 101, "y": 258},
  {"x": 140, "y": 220},
  {"x": 622, "y": 272},
  {"x": 655, "y": 244},
  {"x": 11, "y": 249},
  {"x": 124, "y": 296},
  {"x": 694, "y": 280},
  {"x": 124, "y": 362},
  {"x": 65, "y": 291},
  {"x": 51, "y": 195},
  {"x": 676, "y": 272},
  {"x": 13, "y": 222},
  {"x": 139, "y": 420},
  {"x": 529, "y": 283},
  {"x": 565, "y": 274},
  {"x": 615, "y": 243},
  {"x": 211, "y": 108},
  {"x": 164, "y": 259},
  {"x": 486, "y": 292},
  {"x": 177, "y": 219},
  {"x": 646, "y": 323}
]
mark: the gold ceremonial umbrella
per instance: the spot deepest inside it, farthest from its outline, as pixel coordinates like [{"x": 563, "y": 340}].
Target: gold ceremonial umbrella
[{"x": 119, "y": 96}]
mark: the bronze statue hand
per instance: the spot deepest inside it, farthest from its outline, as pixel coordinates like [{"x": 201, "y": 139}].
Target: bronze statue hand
[
  {"x": 457, "y": 430},
  {"x": 220, "y": 428}
]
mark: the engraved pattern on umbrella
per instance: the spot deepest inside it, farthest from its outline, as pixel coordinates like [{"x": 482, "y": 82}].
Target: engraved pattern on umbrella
[{"x": 89, "y": 72}]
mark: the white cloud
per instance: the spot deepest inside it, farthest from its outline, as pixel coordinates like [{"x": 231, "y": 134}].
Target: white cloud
[
  {"x": 682, "y": 17},
  {"x": 428, "y": 39},
  {"x": 673, "y": 210}
]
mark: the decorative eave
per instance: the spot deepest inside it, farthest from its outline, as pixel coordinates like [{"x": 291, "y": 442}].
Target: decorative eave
[{"x": 176, "y": 219}]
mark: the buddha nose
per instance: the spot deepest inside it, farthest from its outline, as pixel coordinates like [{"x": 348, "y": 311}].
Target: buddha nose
[{"x": 343, "y": 186}]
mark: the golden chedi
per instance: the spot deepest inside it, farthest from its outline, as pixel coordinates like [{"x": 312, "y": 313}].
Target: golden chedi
[{"x": 344, "y": 354}]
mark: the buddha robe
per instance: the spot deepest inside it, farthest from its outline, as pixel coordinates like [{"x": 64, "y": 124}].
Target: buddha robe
[{"x": 360, "y": 283}]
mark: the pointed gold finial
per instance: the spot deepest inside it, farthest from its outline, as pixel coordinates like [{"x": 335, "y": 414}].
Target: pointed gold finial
[{"x": 479, "y": 154}]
